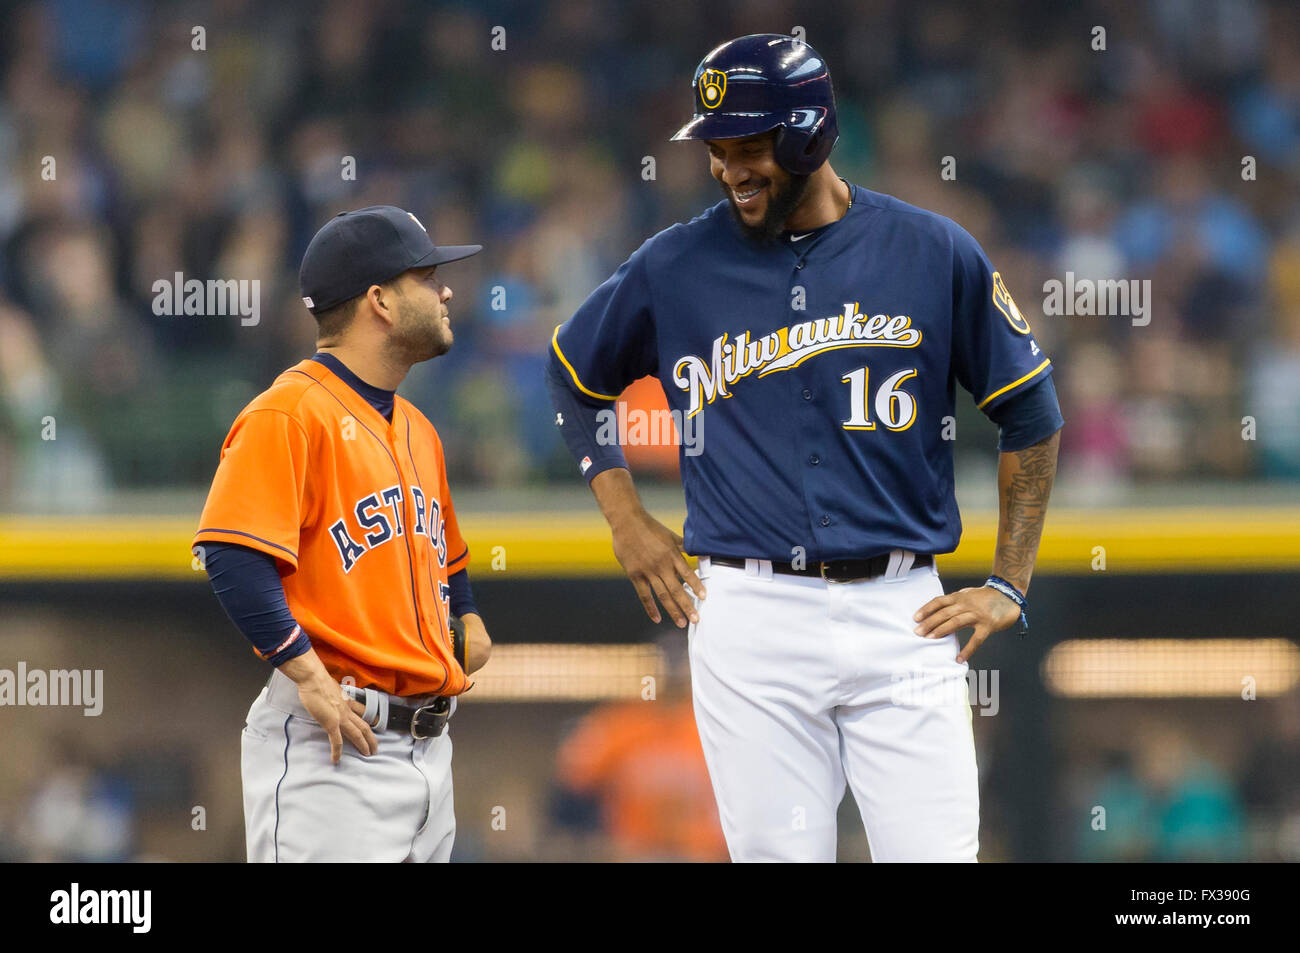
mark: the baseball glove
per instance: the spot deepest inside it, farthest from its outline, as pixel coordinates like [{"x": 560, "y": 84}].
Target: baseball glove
[{"x": 459, "y": 644}]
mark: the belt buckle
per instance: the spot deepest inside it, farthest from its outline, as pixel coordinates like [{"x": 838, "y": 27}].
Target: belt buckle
[
  {"x": 841, "y": 582},
  {"x": 825, "y": 577},
  {"x": 441, "y": 710}
]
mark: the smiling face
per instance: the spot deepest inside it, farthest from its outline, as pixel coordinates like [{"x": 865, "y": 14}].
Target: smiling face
[
  {"x": 761, "y": 193},
  {"x": 423, "y": 327}
]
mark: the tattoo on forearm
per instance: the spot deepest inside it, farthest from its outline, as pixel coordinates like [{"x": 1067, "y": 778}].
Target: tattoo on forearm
[{"x": 1024, "y": 484}]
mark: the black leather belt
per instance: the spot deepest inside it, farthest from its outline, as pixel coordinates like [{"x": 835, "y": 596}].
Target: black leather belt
[
  {"x": 421, "y": 721},
  {"x": 833, "y": 570}
]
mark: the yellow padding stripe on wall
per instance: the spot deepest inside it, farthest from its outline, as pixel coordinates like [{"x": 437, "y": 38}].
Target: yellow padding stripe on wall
[{"x": 1076, "y": 542}]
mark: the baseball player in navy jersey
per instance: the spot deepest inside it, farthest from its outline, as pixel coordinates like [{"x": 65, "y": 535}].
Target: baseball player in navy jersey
[{"x": 815, "y": 334}]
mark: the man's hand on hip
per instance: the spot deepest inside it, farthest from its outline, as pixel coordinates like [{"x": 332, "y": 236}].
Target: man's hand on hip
[
  {"x": 649, "y": 552},
  {"x": 324, "y": 700},
  {"x": 651, "y": 555},
  {"x": 987, "y": 610}
]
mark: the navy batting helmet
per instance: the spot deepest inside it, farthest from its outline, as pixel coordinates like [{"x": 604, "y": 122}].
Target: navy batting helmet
[{"x": 762, "y": 82}]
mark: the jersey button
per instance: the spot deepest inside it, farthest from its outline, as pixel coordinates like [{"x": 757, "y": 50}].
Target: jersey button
[
  {"x": 826, "y": 521},
  {"x": 806, "y": 394},
  {"x": 798, "y": 266},
  {"x": 815, "y": 460}
]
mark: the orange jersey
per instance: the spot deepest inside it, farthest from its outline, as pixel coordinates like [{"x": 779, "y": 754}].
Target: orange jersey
[
  {"x": 645, "y": 763},
  {"x": 358, "y": 514}
]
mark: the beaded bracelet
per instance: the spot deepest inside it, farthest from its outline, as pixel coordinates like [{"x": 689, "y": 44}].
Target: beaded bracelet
[{"x": 1016, "y": 596}]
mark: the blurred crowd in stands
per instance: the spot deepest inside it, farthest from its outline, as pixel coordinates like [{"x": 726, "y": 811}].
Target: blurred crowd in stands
[
  {"x": 1166, "y": 792},
  {"x": 128, "y": 155}
]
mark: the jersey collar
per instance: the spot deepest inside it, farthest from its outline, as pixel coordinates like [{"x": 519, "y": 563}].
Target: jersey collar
[
  {"x": 376, "y": 397},
  {"x": 794, "y": 239},
  {"x": 356, "y": 404},
  {"x": 814, "y": 236}
]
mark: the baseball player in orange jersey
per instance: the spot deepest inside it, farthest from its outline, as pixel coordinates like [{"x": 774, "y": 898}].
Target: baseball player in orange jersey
[{"x": 330, "y": 538}]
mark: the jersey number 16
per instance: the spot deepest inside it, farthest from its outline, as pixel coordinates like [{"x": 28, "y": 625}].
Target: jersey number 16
[{"x": 895, "y": 408}]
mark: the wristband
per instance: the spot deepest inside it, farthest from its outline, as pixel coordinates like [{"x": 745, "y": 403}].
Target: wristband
[{"x": 1016, "y": 596}]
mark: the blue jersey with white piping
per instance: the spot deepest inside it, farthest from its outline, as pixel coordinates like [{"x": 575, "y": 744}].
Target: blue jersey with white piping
[{"x": 819, "y": 373}]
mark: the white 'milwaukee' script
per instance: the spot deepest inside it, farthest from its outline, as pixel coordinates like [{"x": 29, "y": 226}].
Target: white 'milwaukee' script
[{"x": 785, "y": 348}]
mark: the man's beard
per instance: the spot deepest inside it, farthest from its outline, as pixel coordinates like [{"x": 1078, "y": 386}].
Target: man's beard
[
  {"x": 779, "y": 208},
  {"x": 418, "y": 337}
]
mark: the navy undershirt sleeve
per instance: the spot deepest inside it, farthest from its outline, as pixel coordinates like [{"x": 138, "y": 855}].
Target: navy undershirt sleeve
[
  {"x": 462, "y": 596},
  {"x": 579, "y": 424},
  {"x": 247, "y": 584},
  {"x": 1028, "y": 417}
]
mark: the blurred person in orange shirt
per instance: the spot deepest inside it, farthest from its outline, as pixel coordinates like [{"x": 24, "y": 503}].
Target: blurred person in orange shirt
[
  {"x": 645, "y": 398},
  {"x": 642, "y": 763}
]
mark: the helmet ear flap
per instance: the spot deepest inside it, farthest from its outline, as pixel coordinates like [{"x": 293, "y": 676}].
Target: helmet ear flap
[
  {"x": 780, "y": 147},
  {"x": 814, "y": 143},
  {"x": 801, "y": 152}
]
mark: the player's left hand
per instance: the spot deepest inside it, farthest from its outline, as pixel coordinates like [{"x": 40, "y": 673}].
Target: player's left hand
[
  {"x": 987, "y": 610},
  {"x": 479, "y": 647}
]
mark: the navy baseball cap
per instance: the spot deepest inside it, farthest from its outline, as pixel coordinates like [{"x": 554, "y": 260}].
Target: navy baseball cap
[{"x": 355, "y": 250}]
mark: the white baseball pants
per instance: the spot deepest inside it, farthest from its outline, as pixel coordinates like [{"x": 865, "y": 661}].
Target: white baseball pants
[
  {"x": 395, "y": 805},
  {"x": 801, "y": 684}
]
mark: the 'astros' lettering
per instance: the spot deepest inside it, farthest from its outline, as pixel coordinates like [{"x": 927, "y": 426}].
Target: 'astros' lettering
[{"x": 379, "y": 518}]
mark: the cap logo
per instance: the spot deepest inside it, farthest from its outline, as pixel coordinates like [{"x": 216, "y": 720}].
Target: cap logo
[
  {"x": 713, "y": 86},
  {"x": 418, "y": 222}
]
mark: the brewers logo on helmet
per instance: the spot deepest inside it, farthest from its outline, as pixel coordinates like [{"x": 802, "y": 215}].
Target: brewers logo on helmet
[
  {"x": 713, "y": 86},
  {"x": 769, "y": 82}
]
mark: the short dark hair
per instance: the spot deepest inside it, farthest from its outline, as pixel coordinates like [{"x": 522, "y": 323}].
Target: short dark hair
[{"x": 335, "y": 320}]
